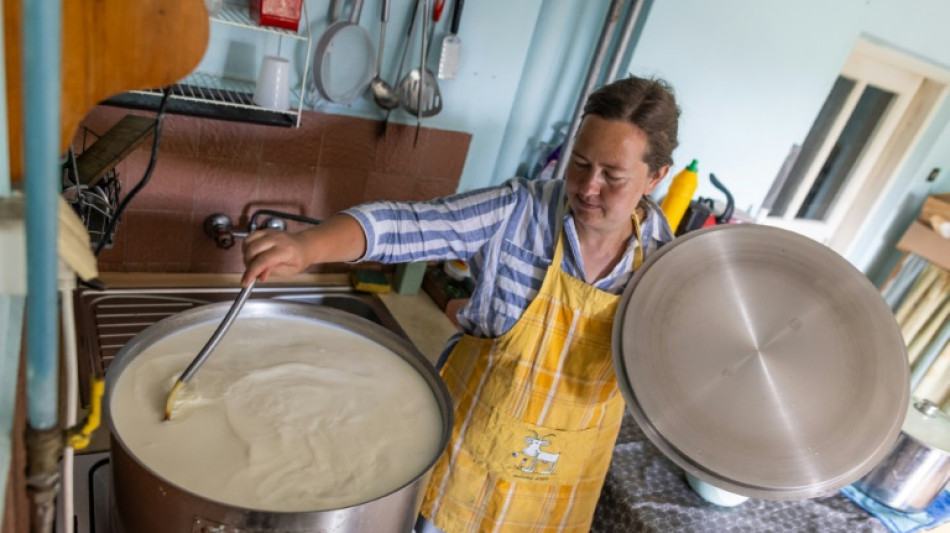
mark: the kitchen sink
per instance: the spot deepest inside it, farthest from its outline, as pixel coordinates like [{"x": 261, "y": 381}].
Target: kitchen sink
[{"x": 107, "y": 319}]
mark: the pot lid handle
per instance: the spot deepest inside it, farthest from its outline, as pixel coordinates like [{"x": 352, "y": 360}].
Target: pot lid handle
[
  {"x": 928, "y": 423},
  {"x": 927, "y": 407}
]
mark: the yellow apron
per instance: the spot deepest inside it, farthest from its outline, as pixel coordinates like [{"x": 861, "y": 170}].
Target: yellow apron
[{"x": 537, "y": 411}]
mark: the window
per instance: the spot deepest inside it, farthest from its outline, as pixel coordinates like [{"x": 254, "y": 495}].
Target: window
[{"x": 869, "y": 121}]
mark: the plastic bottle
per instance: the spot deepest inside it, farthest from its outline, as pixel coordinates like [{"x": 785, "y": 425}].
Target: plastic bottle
[{"x": 680, "y": 193}]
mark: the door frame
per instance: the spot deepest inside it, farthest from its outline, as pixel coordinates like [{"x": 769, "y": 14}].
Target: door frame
[{"x": 920, "y": 87}]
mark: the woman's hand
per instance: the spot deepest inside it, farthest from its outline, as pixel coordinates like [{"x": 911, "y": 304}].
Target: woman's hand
[
  {"x": 271, "y": 251},
  {"x": 266, "y": 252}
]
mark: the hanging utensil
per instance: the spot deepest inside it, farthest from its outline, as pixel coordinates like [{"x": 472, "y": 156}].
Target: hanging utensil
[
  {"x": 208, "y": 348},
  {"x": 381, "y": 130},
  {"x": 436, "y": 17},
  {"x": 334, "y": 10},
  {"x": 419, "y": 90},
  {"x": 422, "y": 67},
  {"x": 384, "y": 94},
  {"x": 343, "y": 79},
  {"x": 451, "y": 46}
]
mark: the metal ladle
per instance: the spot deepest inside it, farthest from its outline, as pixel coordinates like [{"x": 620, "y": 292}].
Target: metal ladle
[
  {"x": 385, "y": 95},
  {"x": 419, "y": 91},
  {"x": 208, "y": 348},
  {"x": 402, "y": 65}
]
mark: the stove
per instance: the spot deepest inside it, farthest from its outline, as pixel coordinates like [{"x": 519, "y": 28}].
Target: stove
[
  {"x": 107, "y": 319},
  {"x": 91, "y": 509}
]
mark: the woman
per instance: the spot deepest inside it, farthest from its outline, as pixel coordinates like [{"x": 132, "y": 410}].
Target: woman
[{"x": 537, "y": 408}]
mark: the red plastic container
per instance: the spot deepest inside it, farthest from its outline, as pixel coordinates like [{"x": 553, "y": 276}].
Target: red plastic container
[{"x": 277, "y": 13}]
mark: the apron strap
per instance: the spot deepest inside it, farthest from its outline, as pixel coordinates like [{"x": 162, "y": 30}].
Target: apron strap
[{"x": 638, "y": 253}]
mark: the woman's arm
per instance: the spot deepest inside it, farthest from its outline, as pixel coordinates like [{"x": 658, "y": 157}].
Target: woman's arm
[
  {"x": 389, "y": 232},
  {"x": 339, "y": 238},
  {"x": 454, "y": 227}
]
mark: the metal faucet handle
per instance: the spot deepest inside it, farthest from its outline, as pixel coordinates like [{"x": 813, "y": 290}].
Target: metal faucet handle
[
  {"x": 274, "y": 223},
  {"x": 219, "y": 227}
]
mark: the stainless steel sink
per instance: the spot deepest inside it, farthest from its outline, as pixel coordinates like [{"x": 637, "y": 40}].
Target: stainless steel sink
[{"x": 107, "y": 319}]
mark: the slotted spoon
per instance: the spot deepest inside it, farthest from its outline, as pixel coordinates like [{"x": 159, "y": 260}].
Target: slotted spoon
[{"x": 419, "y": 90}]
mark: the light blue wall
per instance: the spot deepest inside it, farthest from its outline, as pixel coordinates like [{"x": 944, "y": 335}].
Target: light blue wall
[
  {"x": 750, "y": 77},
  {"x": 495, "y": 34}
]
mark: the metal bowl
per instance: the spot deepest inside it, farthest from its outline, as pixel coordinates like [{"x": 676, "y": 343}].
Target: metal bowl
[{"x": 761, "y": 362}]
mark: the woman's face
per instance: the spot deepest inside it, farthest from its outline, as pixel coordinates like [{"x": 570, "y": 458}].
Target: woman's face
[{"x": 606, "y": 175}]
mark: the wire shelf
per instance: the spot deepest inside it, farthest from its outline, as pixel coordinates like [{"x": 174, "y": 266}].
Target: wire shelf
[
  {"x": 239, "y": 15},
  {"x": 210, "y": 90},
  {"x": 221, "y": 90}
]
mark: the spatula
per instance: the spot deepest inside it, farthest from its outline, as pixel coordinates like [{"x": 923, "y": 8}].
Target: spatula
[{"x": 208, "y": 348}]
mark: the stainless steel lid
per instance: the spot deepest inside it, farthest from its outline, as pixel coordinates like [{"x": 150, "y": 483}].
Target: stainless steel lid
[{"x": 761, "y": 362}]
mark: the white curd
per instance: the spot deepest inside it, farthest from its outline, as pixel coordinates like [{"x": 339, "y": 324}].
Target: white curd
[{"x": 286, "y": 415}]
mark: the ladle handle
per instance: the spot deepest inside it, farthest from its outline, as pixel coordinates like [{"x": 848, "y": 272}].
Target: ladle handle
[
  {"x": 405, "y": 50},
  {"x": 218, "y": 333},
  {"x": 357, "y": 10},
  {"x": 457, "y": 16},
  {"x": 422, "y": 64},
  {"x": 383, "y": 18}
]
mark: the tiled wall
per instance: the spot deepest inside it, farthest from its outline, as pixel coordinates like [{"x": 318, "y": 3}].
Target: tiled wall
[{"x": 207, "y": 166}]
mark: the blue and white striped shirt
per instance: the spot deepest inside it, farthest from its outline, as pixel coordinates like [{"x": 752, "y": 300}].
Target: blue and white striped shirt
[{"x": 506, "y": 233}]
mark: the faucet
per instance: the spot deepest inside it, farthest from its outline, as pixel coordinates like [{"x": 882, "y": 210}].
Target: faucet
[{"x": 219, "y": 227}]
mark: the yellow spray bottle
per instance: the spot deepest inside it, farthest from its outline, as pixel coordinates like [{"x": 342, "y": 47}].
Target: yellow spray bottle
[{"x": 680, "y": 193}]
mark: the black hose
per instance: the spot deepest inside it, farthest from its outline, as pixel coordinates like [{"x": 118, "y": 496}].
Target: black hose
[
  {"x": 148, "y": 173},
  {"x": 730, "y": 203}
]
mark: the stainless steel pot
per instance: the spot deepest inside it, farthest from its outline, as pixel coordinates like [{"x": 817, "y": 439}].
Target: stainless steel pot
[
  {"x": 918, "y": 467},
  {"x": 144, "y": 502}
]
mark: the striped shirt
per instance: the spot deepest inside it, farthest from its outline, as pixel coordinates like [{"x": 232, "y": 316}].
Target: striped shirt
[{"x": 506, "y": 233}]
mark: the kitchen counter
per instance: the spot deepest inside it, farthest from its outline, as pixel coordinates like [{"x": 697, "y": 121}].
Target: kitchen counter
[{"x": 427, "y": 326}]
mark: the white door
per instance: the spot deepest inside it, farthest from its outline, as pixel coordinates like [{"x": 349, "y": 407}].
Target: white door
[{"x": 858, "y": 119}]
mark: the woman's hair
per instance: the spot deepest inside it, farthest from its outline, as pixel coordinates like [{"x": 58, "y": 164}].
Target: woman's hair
[{"x": 648, "y": 104}]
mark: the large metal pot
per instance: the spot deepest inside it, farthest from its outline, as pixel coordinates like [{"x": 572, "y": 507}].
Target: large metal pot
[
  {"x": 918, "y": 467},
  {"x": 144, "y": 502}
]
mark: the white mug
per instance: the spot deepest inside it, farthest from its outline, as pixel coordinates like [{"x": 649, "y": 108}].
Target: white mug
[
  {"x": 213, "y": 6},
  {"x": 273, "y": 84}
]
